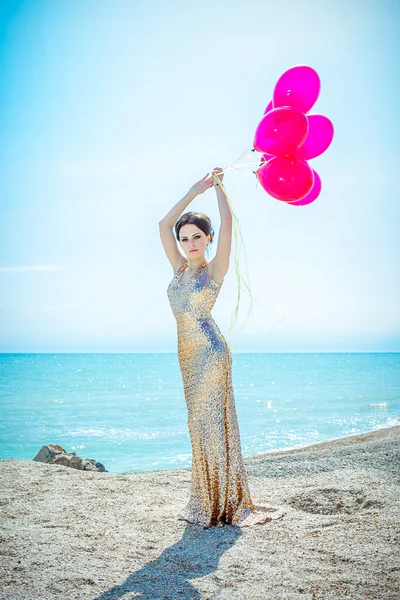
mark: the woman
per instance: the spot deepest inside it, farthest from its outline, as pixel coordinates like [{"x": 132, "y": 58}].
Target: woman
[{"x": 219, "y": 489}]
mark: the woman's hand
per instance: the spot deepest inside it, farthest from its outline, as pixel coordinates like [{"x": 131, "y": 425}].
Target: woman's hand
[
  {"x": 202, "y": 185},
  {"x": 218, "y": 171}
]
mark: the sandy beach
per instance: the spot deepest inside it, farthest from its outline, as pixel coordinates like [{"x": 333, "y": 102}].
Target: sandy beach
[{"x": 69, "y": 534}]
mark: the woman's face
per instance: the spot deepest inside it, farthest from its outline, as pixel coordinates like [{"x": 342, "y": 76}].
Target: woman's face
[{"x": 193, "y": 240}]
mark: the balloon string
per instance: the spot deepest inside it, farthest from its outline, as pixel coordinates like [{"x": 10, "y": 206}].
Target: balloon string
[{"x": 236, "y": 233}]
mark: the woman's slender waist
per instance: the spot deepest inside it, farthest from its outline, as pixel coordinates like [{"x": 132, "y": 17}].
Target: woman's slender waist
[{"x": 198, "y": 331}]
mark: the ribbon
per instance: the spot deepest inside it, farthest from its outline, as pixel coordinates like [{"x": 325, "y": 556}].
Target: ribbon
[{"x": 237, "y": 248}]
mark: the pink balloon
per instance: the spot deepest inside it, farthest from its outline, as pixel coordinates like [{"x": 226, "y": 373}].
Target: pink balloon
[
  {"x": 312, "y": 194},
  {"x": 286, "y": 178},
  {"x": 319, "y": 137},
  {"x": 298, "y": 87},
  {"x": 269, "y": 107},
  {"x": 281, "y": 131}
]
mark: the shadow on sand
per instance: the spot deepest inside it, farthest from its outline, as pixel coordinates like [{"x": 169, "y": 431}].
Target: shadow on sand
[{"x": 168, "y": 576}]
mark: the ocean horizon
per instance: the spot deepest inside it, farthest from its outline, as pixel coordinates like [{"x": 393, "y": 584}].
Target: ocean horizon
[{"x": 128, "y": 410}]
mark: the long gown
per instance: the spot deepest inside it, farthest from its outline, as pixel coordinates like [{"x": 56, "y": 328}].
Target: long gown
[{"x": 219, "y": 491}]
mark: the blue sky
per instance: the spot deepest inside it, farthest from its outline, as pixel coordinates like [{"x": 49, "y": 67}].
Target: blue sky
[{"x": 110, "y": 111}]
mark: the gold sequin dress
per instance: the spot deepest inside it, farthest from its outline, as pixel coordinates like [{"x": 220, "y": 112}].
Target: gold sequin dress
[{"x": 219, "y": 489}]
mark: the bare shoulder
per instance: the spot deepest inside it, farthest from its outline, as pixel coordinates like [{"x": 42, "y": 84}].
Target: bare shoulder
[{"x": 216, "y": 271}]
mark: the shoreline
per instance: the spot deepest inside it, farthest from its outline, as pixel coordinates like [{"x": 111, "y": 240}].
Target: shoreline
[
  {"x": 344, "y": 440},
  {"x": 84, "y": 535}
]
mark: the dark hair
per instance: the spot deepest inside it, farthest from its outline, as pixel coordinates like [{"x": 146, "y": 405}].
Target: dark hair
[{"x": 201, "y": 220}]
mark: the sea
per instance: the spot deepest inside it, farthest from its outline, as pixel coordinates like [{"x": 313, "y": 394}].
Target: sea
[{"x": 128, "y": 411}]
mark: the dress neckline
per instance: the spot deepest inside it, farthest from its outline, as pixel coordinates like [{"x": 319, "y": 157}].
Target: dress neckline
[{"x": 185, "y": 264}]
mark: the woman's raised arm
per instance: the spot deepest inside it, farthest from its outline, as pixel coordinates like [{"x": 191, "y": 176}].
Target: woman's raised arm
[
  {"x": 221, "y": 259},
  {"x": 166, "y": 224}
]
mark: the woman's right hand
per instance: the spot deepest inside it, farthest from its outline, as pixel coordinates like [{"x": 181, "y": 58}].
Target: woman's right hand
[{"x": 202, "y": 185}]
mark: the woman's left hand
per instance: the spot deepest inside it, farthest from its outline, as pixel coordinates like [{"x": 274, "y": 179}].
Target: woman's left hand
[{"x": 220, "y": 174}]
